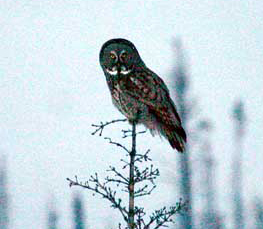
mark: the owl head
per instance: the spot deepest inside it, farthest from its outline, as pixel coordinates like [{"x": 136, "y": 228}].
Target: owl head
[{"x": 118, "y": 57}]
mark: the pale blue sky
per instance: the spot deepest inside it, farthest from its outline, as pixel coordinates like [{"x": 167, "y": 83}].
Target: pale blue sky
[{"x": 52, "y": 90}]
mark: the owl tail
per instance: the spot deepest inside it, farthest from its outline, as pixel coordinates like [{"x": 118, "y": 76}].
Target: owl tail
[
  {"x": 175, "y": 135},
  {"x": 172, "y": 130}
]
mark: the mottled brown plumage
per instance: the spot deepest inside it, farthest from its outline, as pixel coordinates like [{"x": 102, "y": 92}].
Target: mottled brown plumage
[{"x": 139, "y": 93}]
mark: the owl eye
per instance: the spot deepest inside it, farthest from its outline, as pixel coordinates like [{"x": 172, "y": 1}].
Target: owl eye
[
  {"x": 112, "y": 56},
  {"x": 124, "y": 55}
]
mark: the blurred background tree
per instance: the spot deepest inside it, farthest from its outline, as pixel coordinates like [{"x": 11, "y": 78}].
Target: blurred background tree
[
  {"x": 52, "y": 215},
  {"x": 238, "y": 115},
  {"x": 4, "y": 203},
  {"x": 181, "y": 98},
  {"x": 258, "y": 213},
  {"x": 78, "y": 212},
  {"x": 210, "y": 217}
]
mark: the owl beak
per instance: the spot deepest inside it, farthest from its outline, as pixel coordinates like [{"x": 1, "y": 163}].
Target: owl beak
[{"x": 118, "y": 65}]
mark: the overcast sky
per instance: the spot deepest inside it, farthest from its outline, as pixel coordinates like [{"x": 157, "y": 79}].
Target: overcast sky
[{"x": 52, "y": 89}]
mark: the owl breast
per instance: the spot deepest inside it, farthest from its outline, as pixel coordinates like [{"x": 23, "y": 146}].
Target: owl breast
[{"x": 126, "y": 104}]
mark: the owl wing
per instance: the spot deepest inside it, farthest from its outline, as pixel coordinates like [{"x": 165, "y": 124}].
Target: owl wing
[{"x": 149, "y": 88}]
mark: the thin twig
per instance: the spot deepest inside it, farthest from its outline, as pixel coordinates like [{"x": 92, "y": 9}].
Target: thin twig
[
  {"x": 162, "y": 216},
  {"x": 102, "y": 125},
  {"x": 117, "y": 144},
  {"x": 118, "y": 174},
  {"x": 128, "y": 133}
]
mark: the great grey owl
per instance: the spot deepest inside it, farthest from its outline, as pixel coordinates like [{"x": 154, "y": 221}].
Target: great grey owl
[{"x": 139, "y": 93}]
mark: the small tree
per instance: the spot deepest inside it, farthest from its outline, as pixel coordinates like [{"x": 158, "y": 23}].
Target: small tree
[{"x": 140, "y": 182}]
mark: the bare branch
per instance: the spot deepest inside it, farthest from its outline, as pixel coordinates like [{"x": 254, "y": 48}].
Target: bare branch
[
  {"x": 103, "y": 190},
  {"x": 117, "y": 144},
  {"x": 122, "y": 179},
  {"x": 164, "y": 215},
  {"x": 143, "y": 157},
  {"x": 148, "y": 173},
  {"x": 143, "y": 191},
  {"x": 100, "y": 127},
  {"x": 128, "y": 133}
]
